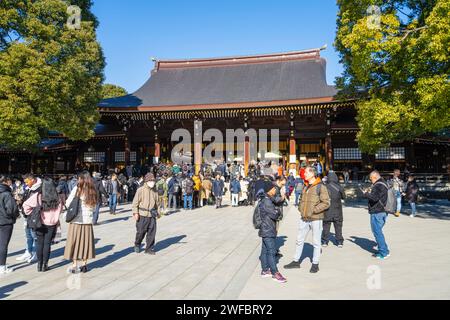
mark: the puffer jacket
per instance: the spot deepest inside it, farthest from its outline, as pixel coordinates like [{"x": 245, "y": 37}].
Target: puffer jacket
[
  {"x": 337, "y": 194},
  {"x": 313, "y": 205},
  {"x": 9, "y": 212},
  {"x": 269, "y": 216}
]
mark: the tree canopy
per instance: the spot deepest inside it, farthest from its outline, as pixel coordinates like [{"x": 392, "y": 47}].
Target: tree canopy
[
  {"x": 112, "y": 91},
  {"x": 396, "y": 63},
  {"x": 50, "y": 74}
]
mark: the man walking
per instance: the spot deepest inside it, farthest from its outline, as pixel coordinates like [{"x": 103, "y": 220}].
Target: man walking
[
  {"x": 145, "y": 212},
  {"x": 377, "y": 202},
  {"x": 399, "y": 186},
  {"x": 100, "y": 192},
  {"x": 315, "y": 200},
  {"x": 235, "y": 189}
]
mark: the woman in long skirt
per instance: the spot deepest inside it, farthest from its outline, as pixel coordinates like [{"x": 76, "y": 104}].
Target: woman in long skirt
[{"x": 80, "y": 235}]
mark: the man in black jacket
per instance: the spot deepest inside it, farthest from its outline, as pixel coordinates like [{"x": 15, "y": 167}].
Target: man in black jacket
[
  {"x": 377, "y": 201},
  {"x": 100, "y": 191},
  {"x": 268, "y": 232},
  {"x": 9, "y": 212}
]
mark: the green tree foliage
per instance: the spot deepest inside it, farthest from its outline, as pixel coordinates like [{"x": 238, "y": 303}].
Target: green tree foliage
[
  {"x": 50, "y": 75},
  {"x": 397, "y": 68},
  {"x": 112, "y": 91}
]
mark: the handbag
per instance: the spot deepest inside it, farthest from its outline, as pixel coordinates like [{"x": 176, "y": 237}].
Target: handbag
[
  {"x": 34, "y": 219},
  {"x": 73, "y": 210}
]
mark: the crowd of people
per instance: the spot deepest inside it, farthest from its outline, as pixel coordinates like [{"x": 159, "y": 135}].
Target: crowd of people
[{"x": 165, "y": 189}]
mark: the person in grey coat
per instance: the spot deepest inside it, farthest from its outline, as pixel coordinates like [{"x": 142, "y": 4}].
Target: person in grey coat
[
  {"x": 217, "y": 190},
  {"x": 334, "y": 213}
]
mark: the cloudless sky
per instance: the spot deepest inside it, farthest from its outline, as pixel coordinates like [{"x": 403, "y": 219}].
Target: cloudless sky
[{"x": 133, "y": 31}]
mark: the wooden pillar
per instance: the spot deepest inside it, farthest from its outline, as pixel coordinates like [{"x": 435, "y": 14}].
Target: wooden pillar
[
  {"x": 292, "y": 144},
  {"x": 157, "y": 154},
  {"x": 246, "y": 147},
  {"x": 127, "y": 150},
  {"x": 198, "y": 129},
  {"x": 329, "y": 152}
]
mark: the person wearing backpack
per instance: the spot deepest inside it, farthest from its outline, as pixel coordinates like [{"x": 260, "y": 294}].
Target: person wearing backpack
[
  {"x": 268, "y": 217},
  {"x": 172, "y": 191},
  {"x": 315, "y": 201},
  {"x": 162, "y": 188},
  {"x": 9, "y": 212},
  {"x": 334, "y": 213},
  {"x": 187, "y": 187},
  {"x": 298, "y": 188},
  {"x": 50, "y": 208},
  {"x": 378, "y": 200}
]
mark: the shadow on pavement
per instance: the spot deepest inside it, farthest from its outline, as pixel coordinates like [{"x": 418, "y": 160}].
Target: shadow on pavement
[
  {"x": 10, "y": 287},
  {"x": 113, "y": 220},
  {"x": 111, "y": 258},
  {"x": 364, "y": 243},
  {"x": 164, "y": 244}
]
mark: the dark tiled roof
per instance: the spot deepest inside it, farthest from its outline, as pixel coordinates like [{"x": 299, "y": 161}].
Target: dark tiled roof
[{"x": 175, "y": 83}]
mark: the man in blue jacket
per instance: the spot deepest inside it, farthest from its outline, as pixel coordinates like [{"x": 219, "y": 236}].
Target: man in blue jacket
[
  {"x": 235, "y": 189},
  {"x": 217, "y": 190},
  {"x": 268, "y": 232}
]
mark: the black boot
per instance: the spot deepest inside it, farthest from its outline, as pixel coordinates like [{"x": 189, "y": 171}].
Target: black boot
[
  {"x": 293, "y": 265},
  {"x": 39, "y": 266},
  {"x": 45, "y": 267},
  {"x": 314, "y": 268}
]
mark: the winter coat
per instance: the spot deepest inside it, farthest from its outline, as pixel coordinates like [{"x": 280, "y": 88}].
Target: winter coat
[
  {"x": 50, "y": 217},
  {"x": 377, "y": 196},
  {"x": 412, "y": 191},
  {"x": 145, "y": 200},
  {"x": 197, "y": 183},
  {"x": 313, "y": 204},
  {"x": 269, "y": 216},
  {"x": 336, "y": 193},
  {"x": 206, "y": 189},
  {"x": 235, "y": 186},
  {"x": 100, "y": 190},
  {"x": 217, "y": 187},
  {"x": 62, "y": 187},
  {"x": 171, "y": 185},
  {"x": 9, "y": 212}
]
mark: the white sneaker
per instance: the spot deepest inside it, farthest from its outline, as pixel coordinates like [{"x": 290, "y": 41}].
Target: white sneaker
[
  {"x": 5, "y": 270},
  {"x": 24, "y": 257},
  {"x": 32, "y": 259},
  {"x": 412, "y": 215}
]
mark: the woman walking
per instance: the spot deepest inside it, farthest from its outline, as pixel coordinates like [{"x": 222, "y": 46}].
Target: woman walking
[
  {"x": 80, "y": 235},
  {"x": 51, "y": 208},
  {"x": 412, "y": 193}
]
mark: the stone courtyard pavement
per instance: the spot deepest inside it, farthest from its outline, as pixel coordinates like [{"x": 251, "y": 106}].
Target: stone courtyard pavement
[{"x": 213, "y": 254}]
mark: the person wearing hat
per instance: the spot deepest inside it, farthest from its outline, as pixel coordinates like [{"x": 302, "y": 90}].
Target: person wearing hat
[
  {"x": 145, "y": 211},
  {"x": 100, "y": 191},
  {"x": 268, "y": 232}
]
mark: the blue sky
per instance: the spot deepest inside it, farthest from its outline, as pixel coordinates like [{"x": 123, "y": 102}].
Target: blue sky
[{"x": 133, "y": 31}]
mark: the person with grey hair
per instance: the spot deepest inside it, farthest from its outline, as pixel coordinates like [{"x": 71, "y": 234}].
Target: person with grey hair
[
  {"x": 378, "y": 197},
  {"x": 315, "y": 201}
]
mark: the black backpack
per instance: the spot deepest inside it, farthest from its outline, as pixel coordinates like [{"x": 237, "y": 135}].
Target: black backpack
[
  {"x": 161, "y": 189},
  {"x": 34, "y": 219},
  {"x": 257, "y": 221}
]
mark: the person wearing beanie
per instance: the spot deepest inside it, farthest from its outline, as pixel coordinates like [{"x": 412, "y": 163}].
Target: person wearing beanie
[
  {"x": 268, "y": 233},
  {"x": 145, "y": 211}
]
